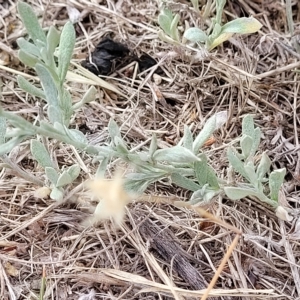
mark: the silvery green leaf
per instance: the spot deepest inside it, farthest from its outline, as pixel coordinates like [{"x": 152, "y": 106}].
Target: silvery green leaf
[
  {"x": 2, "y": 130},
  {"x": 246, "y": 145},
  {"x": 26, "y": 86},
  {"x": 120, "y": 145},
  {"x": 242, "y": 26},
  {"x": 45, "y": 57},
  {"x": 52, "y": 40},
  {"x": 213, "y": 123},
  {"x": 28, "y": 47},
  {"x": 8, "y": 146},
  {"x": 175, "y": 154},
  {"x": 135, "y": 158},
  {"x": 184, "y": 182},
  {"x": 212, "y": 178},
  {"x": 51, "y": 174},
  {"x": 136, "y": 187},
  {"x": 204, "y": 196},
  {"x": 27, "y": 59},
  {"x": 256, "y": 141},
  {"x": 250, "y": 170},
  {"x": 276, "y": 179},
  {"x": 63, "y": 179},
  {"x": 188, "y": 138},
  {"x": 40, "y": 44},
  {"x": 66, "y": 47},
  {"x": 89, "y": 96},
  {"x": 153, "y": 146},
  {"x": 113, "y": 129},
  {"x": 54, "y": 114},
  {"x": 236, "y": 193},
  {"x": 143, "y": 156},
  {"x": 248, "y": 126},
  {"x": 236, "y": 163},
  {"x": 195, "y": 35},
  {"x": 145, "y": 176},
  {"x": 66, "y": 107},
  {"x": 165, "y": 19},
  {"x": 216, "y": 31},
  {"x": 263, "y": 167},
  {"x": 50, "y": 128},
  {"x": 174, "y": 29},
  {"x": 196, "y": 197},
  {"x": 102, "y": 168},
  {"x": 73, "y": 171},
  {"x": 62, "y": 129},
  {"x": 57, "y": 194},
  {"x": 77, "y": 136},
  {"x": 48, "y": 85},
  {"x": 30, "y": 22},
  {"x": 40, "y": 154},
  {"x": 219, "y": 11},
  {"x": 201, "y": 170}
]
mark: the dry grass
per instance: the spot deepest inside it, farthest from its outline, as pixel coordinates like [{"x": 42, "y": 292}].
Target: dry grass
[{"x": 253, "y": 74}]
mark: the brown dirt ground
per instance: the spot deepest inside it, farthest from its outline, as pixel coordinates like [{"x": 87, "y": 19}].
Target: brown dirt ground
[{"x": 253, "y": 74}]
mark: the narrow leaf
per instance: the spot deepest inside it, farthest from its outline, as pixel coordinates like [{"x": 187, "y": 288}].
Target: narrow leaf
[
  {"x": 188, "y": 138},
  {"x": 51, "y": 174},
  {"x": 52, "y": 40},
  {"x": 263, "y": 167},
  {"x": 28, "y": 47},
  {"x": 175, "y": 154},
  {"x": 26, "y": 86},
  {"x": 48, "y": 85},
  {"x": 153, "y": 146},
  {"x": 66, "y": 47},
  {"x": 164, "y": 20},
  {"x": 77, "y": 135},
  {"x": 235, "y": 193},
  {"x": 208, "y": 129},
  {"x": 248, "y": 126},
  {"x": 54, "y": 114},
  {"x": 74, "y": 172},
  {"x": 184, "y": 182},
  {"x": 242, "y": 25},
  {"x": 201, "y": 170},
  {"x": 212, "y": 178},
  {"x": 102, "y": 168},
  {"x": 174, "y": 29},
  {"x": 40, "y": 154},
  {"x": 256, "y": 141},
  {"x": 63, "y": 179},
  {"x": 66, "y": 107},
  {"x": 89, "y": 96},
  {"x": 236, "y": 163},
  {"x": 246, "y": 145},
  {"x": 250, "y": 170},
  {"x": 136, "y": 187},
  {"x": 113, "y": 129},
  {"x": 27, "y": 59},
  {"x": 275, "y": 182},
  {"x": 31, "y": 22}
]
